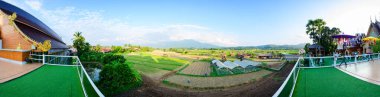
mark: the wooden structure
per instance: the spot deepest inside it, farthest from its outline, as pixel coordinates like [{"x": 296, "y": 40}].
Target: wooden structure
[
  {"x": 316, "y": 50},
  {"x": 264, "y": 56}
]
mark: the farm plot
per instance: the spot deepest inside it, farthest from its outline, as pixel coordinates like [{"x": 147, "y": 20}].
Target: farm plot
[
  {"x": 198, "y": 68},
  {"x": 216, "y": 82},
  {"x": 275, "y": 65},
  {"x": 178, "y": 55},
  {"x": 267, "y": 60},
  {"x": 148, "y": 63}
]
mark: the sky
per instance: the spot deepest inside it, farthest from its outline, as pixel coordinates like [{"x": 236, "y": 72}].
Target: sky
[{"x": 218, "y": 22}]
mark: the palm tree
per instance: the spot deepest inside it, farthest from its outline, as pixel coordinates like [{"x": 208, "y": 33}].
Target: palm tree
[{"x": 314, "y": 29}]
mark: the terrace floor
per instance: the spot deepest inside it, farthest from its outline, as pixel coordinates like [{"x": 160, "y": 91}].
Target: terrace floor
[
  {"x": 9, "y": 71},
  {"x": 46, "y": 81},
  {"x": 367, "y": 71},
  {"x": 331, "y": 82}
]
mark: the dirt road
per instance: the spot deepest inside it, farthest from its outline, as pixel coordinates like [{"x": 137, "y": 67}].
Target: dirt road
[{"x": 265, "y": 87}]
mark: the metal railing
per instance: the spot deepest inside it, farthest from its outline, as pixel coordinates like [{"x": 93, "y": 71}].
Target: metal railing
[
  {"x": 288, "y": 86},
  {"x": 72, "y": 61}
]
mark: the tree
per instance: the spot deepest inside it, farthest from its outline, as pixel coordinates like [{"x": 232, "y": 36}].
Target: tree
[
  {"x": 97, "y": 48},
  {"x": 327, "y": 41},
  {"x": 117, "y": 77},
  {"x": 80, "y": 43},
  {"x": 306, "y": 48},
  {"x": 321, "y": 34},
  {"x": 376, "y": 47}
]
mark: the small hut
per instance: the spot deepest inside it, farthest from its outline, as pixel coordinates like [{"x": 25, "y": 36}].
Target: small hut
[
  {"x": 316, "y": 50},
  {"x": 264, "y": 56}
]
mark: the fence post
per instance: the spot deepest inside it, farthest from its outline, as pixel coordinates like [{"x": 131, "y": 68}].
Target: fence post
[
  {"x": 335, "y": 58},
  {"x": 43, "y": 59},
  {"x": 294, "y": 74}
]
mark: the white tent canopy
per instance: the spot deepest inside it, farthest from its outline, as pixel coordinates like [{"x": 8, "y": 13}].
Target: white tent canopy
[{"x": 236, "y": 63}]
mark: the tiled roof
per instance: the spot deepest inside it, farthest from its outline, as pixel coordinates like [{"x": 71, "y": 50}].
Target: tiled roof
[{"x": 40, "y": 37}]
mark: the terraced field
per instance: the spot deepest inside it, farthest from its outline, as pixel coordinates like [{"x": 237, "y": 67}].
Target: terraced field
[
  {"x": 147, "y": 63},
  {"x": 216, "y": 82},
  {"x": 198, "y": 68},
  {"x": 154, "y": 66},
  {"x": 275, "y": 65}
]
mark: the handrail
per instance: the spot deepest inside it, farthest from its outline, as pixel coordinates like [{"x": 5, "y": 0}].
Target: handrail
[
  {"x": 100, "y": 94},
  {"x": 278, "y": 92},
  {"x": 91, "y": 82}
]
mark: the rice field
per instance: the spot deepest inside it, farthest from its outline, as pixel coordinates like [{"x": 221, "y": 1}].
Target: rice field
[
  {"x": 154, "y": 66},
  {"x": 216, "y": 82},
  {"x": 197, "y": 68},
  {"x": 238, "y": 70},
  {"x": 275, "y": 65},
  {"x": 151, "y": 64}
]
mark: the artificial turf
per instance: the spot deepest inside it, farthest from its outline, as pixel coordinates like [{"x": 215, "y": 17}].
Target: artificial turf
[
  {"x": 47, "y": 81},
  {"x": 331, "y": 82}
]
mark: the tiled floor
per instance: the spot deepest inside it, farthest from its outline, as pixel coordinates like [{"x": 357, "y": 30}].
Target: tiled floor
[
  {"x": 367, "y": 71},
  {"x": 9, "y": 71}
]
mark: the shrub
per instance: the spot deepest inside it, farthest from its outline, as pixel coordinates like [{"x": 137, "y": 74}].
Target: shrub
[
  {"x": 91, "y": 56},
  {"x": 117, "y": 77},
  {"x": 108, "y": 58},
  {"x": 264, "y": 64}
]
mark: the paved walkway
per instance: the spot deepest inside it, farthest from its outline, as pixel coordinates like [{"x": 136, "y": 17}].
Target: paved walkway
[
  {"x": 9, "y": 71},
  {"x": 367, "y": 71}
]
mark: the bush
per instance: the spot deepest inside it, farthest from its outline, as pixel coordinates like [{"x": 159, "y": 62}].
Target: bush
[
  {"x": 108, "y": 58},
  {"x": 91, "y": 56},
  {"x": 117, "y": 77}
]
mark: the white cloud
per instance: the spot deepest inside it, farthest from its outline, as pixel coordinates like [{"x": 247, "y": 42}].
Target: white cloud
[
  {"x": 34, "y": 4},
  {"x": 17, "y": 3},
  {"x": 353, "y": 16},
  {"x": 100, "y": 30}
]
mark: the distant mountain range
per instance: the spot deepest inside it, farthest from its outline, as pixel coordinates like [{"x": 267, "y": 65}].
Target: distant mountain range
[
  {"x": 188, "y": 43},
  {"x": 271, "y": 46},
  {"x": 195, "y": 44}
]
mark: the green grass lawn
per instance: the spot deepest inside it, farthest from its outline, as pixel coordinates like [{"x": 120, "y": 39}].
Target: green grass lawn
[
  {"x": 330, "y": 82},
  {"x": 147, "y": 63},
  {"x": 47, "y": 81}
]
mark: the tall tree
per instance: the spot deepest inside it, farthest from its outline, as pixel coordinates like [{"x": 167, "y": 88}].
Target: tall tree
[
  {"x": 79, "y": 42},
  {"x": 314, "y": 29},
  {"x": 321, "y": 34},
  {"x": 97, "y": 48}
]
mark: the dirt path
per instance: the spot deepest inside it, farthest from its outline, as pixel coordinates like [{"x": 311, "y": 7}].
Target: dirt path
[{"x": 265, "y": 87}]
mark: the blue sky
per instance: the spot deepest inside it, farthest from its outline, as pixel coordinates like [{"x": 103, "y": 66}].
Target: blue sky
[{"x": 219, "y": 22}]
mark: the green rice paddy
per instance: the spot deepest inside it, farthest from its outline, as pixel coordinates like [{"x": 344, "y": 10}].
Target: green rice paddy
[{"x": 151, "y": 64}]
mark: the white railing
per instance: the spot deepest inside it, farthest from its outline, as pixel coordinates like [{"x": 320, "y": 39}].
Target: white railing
[
  {"x": 320, "y": 62},
  {"x": 71, "y": 61},
  {"x": 294, "y": 72}
]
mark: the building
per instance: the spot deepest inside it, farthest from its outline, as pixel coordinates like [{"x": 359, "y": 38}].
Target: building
[
  {"x": 265, "y": 56},
  {"x": 316, "y": 50},
  {"x": 20, "y": 34},
  {"x": 374, "y": 29}
]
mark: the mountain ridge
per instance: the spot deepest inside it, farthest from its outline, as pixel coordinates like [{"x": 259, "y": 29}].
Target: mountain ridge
[{"x": 189, "y": 43}]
